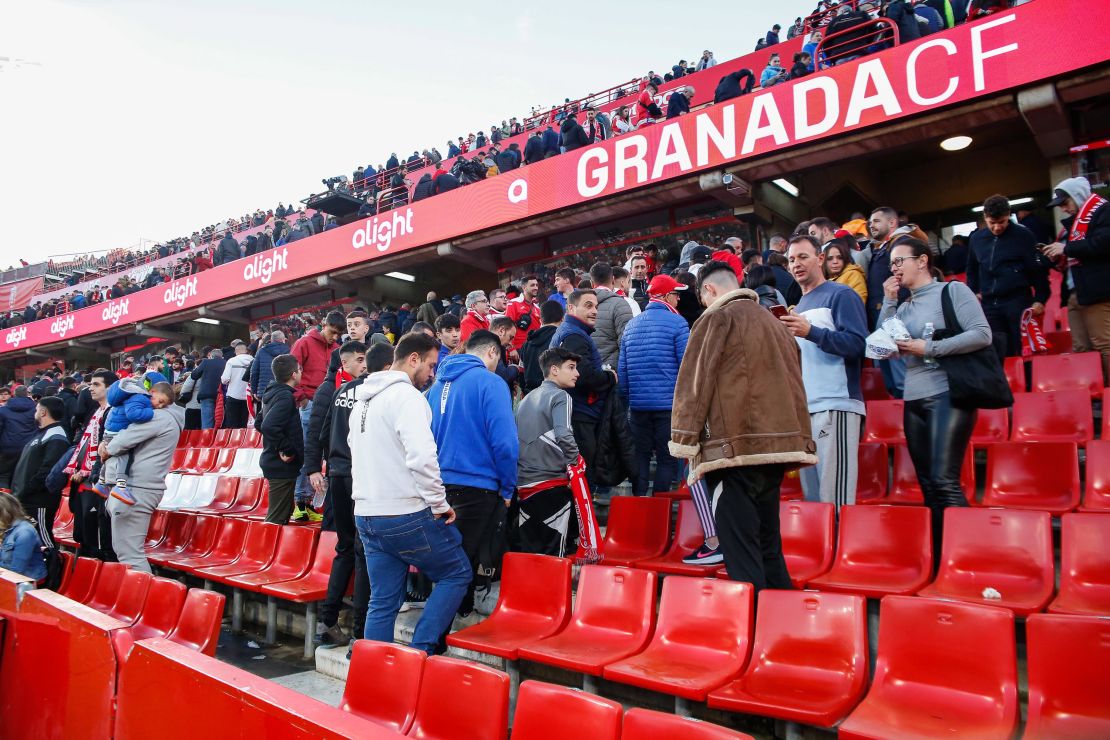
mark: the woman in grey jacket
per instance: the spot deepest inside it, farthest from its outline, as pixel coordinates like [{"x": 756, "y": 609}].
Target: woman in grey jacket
[{"x": 937, "y": 433}]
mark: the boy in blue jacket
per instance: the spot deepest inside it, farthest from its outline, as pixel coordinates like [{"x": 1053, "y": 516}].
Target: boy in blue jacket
[
  {"x": 132, "y": 402},
  {"x": 475, "y": 433}
]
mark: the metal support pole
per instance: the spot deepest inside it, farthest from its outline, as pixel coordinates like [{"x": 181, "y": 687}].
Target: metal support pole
[
  {"x": 236, "y": 611},
  {"x": 682, "y": 707},
  {"x": 309, "y": 630},
  {"x": 271, "y": 620},
  {"x": 512, "y": 667},
  {"x": 591, "y": 684}
]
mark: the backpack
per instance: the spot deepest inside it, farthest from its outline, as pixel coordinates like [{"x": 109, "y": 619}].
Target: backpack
[{"x": 55, "y": 568}]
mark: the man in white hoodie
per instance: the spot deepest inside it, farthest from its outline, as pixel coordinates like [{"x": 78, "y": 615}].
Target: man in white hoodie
[
  {"x": 401, "y": 509},
  {"x": 236, "y": 375}
]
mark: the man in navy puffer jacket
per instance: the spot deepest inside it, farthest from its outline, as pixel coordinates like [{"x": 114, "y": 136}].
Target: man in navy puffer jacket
[
  {"x": 17, "y": 427},
  {"x": 647, "y": 369}
]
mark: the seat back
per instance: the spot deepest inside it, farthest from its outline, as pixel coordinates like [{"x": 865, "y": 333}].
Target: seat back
[
  {"x": 156, "y": 531},
  {"x": 955, "y": 650},
  {"x": 325, "y": 556},
  {"x": 1068, "y": 681},
  {"x": 224, "y": 494},
  {"x": 225, "y": 458},
  {"x": 203, "y": 539},
  {"x": 204, "y": 437},
  {"x": 295, "y": 548},
  {"x": 884, "y": 422},
  {"x": 252, "y": 438},
  {"x": 179, "y": 527},
  {"x": 874, "y": 470},
  {"x": 185, "y": 439},
  {"x": 688, "y": 533},
  {"x": 1057, "y": 416},
  {"x": 544, "y": 710},
  {"x": 537, "y": 585},
  {"x": 247, "y": 494},
  {"x": 260, "y": 543},
  {"x": 1014, "y": 370},
  {"x": 1033, "y": 475},
  {"x": 383, "y": 683},
  {"x": 458, "y": 694},
  {"x": 1097, "y": 494},
  {"x": 189, "y": 459},
  {"x": 206, "y": 458},
  {"x": 182, "y": 492},
  {"x": 1072, "y": 372},
  {"x": 235, "y": 437},
  {"x": 1084, "y": 557},
  {"x": 204, "y": 492},
  {"x": 131, "y": 597},
  {"x": 996, "y": 544},
  {"x": 161, "y": 610},
  {"x": 621, "y": 599},
  {"x": 198, "y": 626},
  {"x": 81, "y": 581},
  {"x": 907, "y": 490},
  {"x": 107, "y": 586},
  {"x": 807, "y": 529},
  {"x": 638, "y": 527},
  {"x": 705, "y": 616},
  {"x": 222, "y": 437},
  {"x": 893, "y": 537},
  {"x": 231, "y": 537},
  {"x": 991, "y": 425},
  {"x": 647, "y": 724},
  {"x": 871, "y": 383}
]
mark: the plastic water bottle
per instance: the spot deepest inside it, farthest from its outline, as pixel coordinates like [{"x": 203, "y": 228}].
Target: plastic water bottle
[
  {"x": 318, "y": 496},
  {"x": 927, "y": 335}
]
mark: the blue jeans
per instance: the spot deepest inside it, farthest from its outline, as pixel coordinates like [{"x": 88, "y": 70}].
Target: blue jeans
[
  {"x": 651, "y": 431},
  {"x": 392, "y": 544},
  {"x": 208, "y": 413},
  {"x": 303, "y": 493}
]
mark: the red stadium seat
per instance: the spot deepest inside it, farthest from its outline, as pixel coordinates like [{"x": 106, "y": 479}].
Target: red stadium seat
[
  {"x": 884, "y": 423},
  {"x": 534, "y": 603},
  {"x": 808, "y": 529},
  {"x": 132, "y": 595},
  {"x": 156, "y": 532},
  {"x": 545, "y": 711},
  {"x": 646, "y": 724},
  {"x": 258, "y": 551},
  {"x": 179, "y": 528},
  {"x": 222, "y": 438},
  {"x": 201, "y": 540},
  {"x": 251, "y": 497},
  {"x": 638, "y": 529},
  {"x": 204, "y": 437},
  {"x": 1033, "y": 475},
  {"x": 107, "y": 587},
  {"x": 1007, "y": 550},
  {"x": 292, "y": 559},
  {"x": 179, "y": 456},
  {"x": 871, "y": 383},
  {"x": 236, "y": 438},
  {"x": 185, "y": 439},
  {"x": 457, "y": 694},
  {"x": 313, "y": 585},
  {"x": 225, "y": 459},
  {"x": 614, "y": 615},
  {"x": 1059, "y": 416},
  {"x": 682, "y": 493},
  {"x": 943, "y": 670},
  {"x": 874, "y": 469},
  {"x": 198, "y": 626},
  {"x": 701, "y": 639},
  {"x": 230, "y": 539},
  {"x": 880, "y": 550},
  {"x": 161, "y": 610},
  {"x": 1084, "y": 566},
  {"x": 1068, "y": 681},
  {"x": 809, "y": 660},
  {"x": 383, "y": 682},
  {"x": 688, "y": 536},
  {"x": 203, "y": 462},
  {"x": 1078, "y": 372},
  {"x": 791, "y": 488},
  {"x": 1097, "y": 494},
  {"x": 991, "y": 426},
  {"x": 251, "y": 439},
  {"x": 80, "y": 583},
  {"x": 223, "y": 494},
  {"x": 1014, "y": 369},
  {"x": 907, "y": 490},
  {"x": 1059, "y": 342}
]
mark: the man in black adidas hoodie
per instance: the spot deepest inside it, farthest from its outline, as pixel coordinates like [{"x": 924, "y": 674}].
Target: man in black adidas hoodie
[{"x": 333, "y": 446}]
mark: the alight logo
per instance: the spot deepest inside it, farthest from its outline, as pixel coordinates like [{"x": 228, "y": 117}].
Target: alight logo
[
  {"x": 62, "y": 325},
  {"x": 264, "y": 267},
  {"x": 381, "y": 234},
  {"x": 16, "y": 336},
  {"x": 180, "y": 291},
  {"x": 114, "y": 311}
]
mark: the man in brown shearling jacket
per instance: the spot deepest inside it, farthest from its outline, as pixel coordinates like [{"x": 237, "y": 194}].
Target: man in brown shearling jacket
[{"x": 740, "y": 417}]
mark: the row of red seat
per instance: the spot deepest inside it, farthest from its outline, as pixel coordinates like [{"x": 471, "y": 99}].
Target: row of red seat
[
  {"x": 219, "y": 438},
  {"x": 882, "y": 550},
  {"x": 150, "y": 606},
  {"x": 808, "y": 652}
]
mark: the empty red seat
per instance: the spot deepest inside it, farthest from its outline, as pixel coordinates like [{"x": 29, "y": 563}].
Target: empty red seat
[
  {"x": 884, "y": 423},
  {"x": 258, "y": 550},
  {"x": 809, "y": 659},
  {"x": 1008, "y": 551},
  {"x": 203, "y": 461},
  {"x": 791, "y": 488},
  {"x": 808, "y": 529},
  {"x": 1084, "y": 565},
  {"x": 204, "y": 437},
  {"x": 230, "y": 539},
  {"x": 905, "y": 488},
  {"x": 156, "y": 531},
  {"x": 1033, "y": 475},
  {"x": 179, "y": 527},
  {"x": 225, "y": 459},
  {"x": 646, "y": 724},
  {"x": 991, "y": 426},
  {"x": 1059, "y": 416},
  {"x": 177, "y": 462},
  {"x": 880, "y": 550},
  {"x": 81, "y": 579},
  {"x": 458, "y": 694},
  {"x": 252, "y": 496},
  {"x": 681, "y": 493},
  {"x": 201, "y": 540},
  {"x": 1096, "y": 496},
  {"x": 688, "y": 536},
  {"x": 701, "y": 639},
  {"x": 223, "y": 494},
  {"x": 943, "y": 670},
  {"x": 1059, "y": 342},
  {"x": 614, "y": 615},
  {"x": 161, "y": 610},
  {"x": 313, "y": 585},
  {"x": 638, "y": 529},
  {"x": 534, "y": 603},
  {"x": 236, "y": 438},
  {"x": 872, "y": 385},
  {"x": 1014, "y": 369},
  {"x": 131, "y": 597},
  {"x": 251, "y": 439},
  {"x": 292, "y": 559},
  {"x": 198, "y": 626},
  {"x": 107, "y": 586},
  {"x": 222, "y": 438},
  {"x": 1068, "y": 680},
  {"x": 1072, "y": 372},
  {"x": 545, "y": 711},
  {"x": 383, "y": 683},
  {"x": 184, "y": 439},
  {"x": 874, "y": 470}
]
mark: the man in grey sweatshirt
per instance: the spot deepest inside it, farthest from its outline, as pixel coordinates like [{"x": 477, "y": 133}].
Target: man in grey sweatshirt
[{"x": 153, "y": 445}]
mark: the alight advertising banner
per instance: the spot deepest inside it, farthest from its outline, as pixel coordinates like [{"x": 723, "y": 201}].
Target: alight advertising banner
[{"x": 998, "y": 53}]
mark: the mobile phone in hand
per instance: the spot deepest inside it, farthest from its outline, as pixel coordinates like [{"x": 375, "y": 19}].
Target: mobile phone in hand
[{"x": 779, "y": 311}]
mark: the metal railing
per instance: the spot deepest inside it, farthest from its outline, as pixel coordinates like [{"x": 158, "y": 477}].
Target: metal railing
[{"x": 866, "y": 38}]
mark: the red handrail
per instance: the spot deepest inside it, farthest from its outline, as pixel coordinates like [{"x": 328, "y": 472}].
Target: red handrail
[
  {"x": 607, "y": 95},
  {"x": 824, "y": 17},
  {"x": 855, "y": 41}
]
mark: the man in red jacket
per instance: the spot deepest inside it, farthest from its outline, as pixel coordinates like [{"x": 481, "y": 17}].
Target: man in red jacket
[
  {"x": 524, "y": 311},
  {"x": 313, "y": 352}
]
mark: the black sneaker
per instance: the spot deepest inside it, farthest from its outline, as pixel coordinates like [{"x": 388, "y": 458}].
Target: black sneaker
[{"x": 705, "y": 556}]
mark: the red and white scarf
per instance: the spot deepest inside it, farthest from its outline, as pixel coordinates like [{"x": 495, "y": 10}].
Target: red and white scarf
[
  {"x": 670, "y": 308},
  {"x": 1082, "y": 220}
]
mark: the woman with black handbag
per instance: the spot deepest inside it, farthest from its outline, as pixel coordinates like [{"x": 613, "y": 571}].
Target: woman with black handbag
[{"x": 938, "y": 426}]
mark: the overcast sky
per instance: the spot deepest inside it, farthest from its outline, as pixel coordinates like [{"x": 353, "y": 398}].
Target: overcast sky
[{"x": 148, "y": 120}]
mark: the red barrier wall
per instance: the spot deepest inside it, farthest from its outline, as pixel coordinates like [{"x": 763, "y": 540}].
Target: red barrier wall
[{"x": 9, "y": 589}]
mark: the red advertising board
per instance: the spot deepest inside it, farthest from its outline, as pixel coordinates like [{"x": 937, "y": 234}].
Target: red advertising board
[
  {"x": 16, "y": 296},
  {"x": 1001, "y": 52}
]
